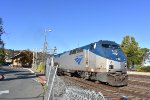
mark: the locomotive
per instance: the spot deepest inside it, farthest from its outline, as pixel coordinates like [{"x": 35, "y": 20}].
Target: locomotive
[{"x": 102, "y": 61}]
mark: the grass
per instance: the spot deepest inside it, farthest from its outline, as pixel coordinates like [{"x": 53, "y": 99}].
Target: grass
[
  {"x": 39, "y": 68},
  {"x": 144, "y": 69}
]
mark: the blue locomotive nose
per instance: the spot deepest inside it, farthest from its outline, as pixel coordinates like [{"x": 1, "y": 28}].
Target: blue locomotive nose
[
  {"x": 109, "y": 50},
  {"x": 112, "y": 51},
  {"x": 117, "y": 55},
  {"x": 116, "y": 58}
]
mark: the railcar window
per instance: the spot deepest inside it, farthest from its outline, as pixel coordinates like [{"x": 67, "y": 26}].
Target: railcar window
[
  {"x": 115, "y": 46},
  {"x": 92, "y": 46},
  {"x": 79, "y": 50},
  {"x": 72, "y": 52},
  {"x": 76, "y": 51},
  {"x": 106, "y": 45},
  {"x": 110, "y": 46}
]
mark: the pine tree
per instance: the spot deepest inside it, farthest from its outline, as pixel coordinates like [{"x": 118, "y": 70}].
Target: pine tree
[
  {"x": 1, "y": 32},
  {"x": 131, "y": 49},
  {"x": 2, "y": 56},
  {"x": 1, "y": 28},
  {"x": 2, "y": 53}
]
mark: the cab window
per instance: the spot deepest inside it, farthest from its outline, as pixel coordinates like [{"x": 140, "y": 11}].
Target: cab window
[{"x": 110, "y": 46}]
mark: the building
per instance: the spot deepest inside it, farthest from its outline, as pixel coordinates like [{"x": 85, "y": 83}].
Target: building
[
  {"x": 23, "y": 59},
  {"x": 16, "y": 60}
]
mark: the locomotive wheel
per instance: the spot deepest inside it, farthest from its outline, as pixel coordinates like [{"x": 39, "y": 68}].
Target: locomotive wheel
[
  {"x": 86, "y": 76},
  {"x": 70, "y": 74}
]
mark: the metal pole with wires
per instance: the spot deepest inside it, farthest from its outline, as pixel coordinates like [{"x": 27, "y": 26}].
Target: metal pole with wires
[
  {"x": 33, "y": 59},
  {"x": 45, "y": 50}
]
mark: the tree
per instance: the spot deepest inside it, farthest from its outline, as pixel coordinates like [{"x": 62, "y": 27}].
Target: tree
[
  {"x": 143, "y": 55},
  {"x": 131, "y": 49},
  {"x": 2, "y": 53},
  {"x": 1, "y": 28},
  {"x": 125, "y": 44},
  {"x": 26, "y": 58},
  {"x": 2, "y": 56}
]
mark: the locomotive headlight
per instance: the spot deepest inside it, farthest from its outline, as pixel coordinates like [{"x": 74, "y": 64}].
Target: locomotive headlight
[
  {"x": 92, "y": 70},
  {"x": 125, "y": 64},
  {"x": 118, "y": 58},
  {"x": 111, "y": 66}
]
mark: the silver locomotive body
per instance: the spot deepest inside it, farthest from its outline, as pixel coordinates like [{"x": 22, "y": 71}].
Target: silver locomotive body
[{"x": 102, "y": 61}]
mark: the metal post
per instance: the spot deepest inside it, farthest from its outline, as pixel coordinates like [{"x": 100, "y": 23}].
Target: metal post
[
  {"x": 52, "y": 83},
  {"x": 33, "y": 60},
  {"x": 36, "y": 58},
  {"x": 49, "y": 74},
  {"x": 50, "y": 70},
  {"x": 45, "y": 51},
  {"x": 88, "y": 58}
]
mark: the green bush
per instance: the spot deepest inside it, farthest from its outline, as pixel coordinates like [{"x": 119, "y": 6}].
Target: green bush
[
  {"x": 144, "y": 69},
  {"x": 41, "y": 68}
]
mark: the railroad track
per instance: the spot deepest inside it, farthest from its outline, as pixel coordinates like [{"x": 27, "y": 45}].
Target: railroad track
[
  {"x": 139, "y": 83},
  {"x": 138, "y": 76},
  {"x": 114, "y": 93}
]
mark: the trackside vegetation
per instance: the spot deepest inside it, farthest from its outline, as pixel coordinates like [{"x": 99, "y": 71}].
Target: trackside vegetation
[
  {"x": 2, "y": 52},
  {"x": 41, "y": 68},
  {"x": 144, "y": 69},
  {"x": 135, "y": 54},
  {"x": 2, "y": 56}
]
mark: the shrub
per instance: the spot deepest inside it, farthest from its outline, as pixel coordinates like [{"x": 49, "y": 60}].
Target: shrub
[
  {"x": 144, "y": 69},
  {"x": 41, "y": 68}
]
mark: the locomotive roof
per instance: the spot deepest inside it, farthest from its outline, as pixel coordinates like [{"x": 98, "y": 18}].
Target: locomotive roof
[{"x": 88, "y": 46}]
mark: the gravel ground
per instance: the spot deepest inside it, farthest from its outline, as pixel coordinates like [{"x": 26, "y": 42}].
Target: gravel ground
[
  {"x": 62, "y": 84},
  {"x": 139, "y": 79},
  {"x": 64, "y": 89},
  {"x": 140, "y": 87},
  {"x": 70, "y": 83},
  {"x": 146, "y": 80}
]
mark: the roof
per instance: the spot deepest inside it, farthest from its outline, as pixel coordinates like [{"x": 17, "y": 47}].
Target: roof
[{"x": 16, "y": 56}]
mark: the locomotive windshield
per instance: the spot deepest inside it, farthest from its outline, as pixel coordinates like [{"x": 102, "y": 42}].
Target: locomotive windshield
[{"x": 110, "y": 46}]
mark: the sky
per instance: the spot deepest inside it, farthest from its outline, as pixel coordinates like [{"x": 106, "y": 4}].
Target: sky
[{"x": 73, "y": 23}]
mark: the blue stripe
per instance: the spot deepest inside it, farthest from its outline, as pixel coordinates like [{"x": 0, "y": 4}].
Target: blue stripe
[{"x": 78, "y": 60}]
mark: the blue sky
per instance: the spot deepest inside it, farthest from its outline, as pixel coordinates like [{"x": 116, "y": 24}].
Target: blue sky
[{"x": 73, "y": 22}]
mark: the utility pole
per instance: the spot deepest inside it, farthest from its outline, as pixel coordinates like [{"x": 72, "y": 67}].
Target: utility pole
[
  {"x": 33, "y": 60},
  {"x": 45, "y": 50}
]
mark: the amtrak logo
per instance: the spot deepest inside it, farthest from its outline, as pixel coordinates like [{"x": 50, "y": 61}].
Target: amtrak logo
[
  {"x": 114, "y": 52},
  {"x": 78, "y": 59}
]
